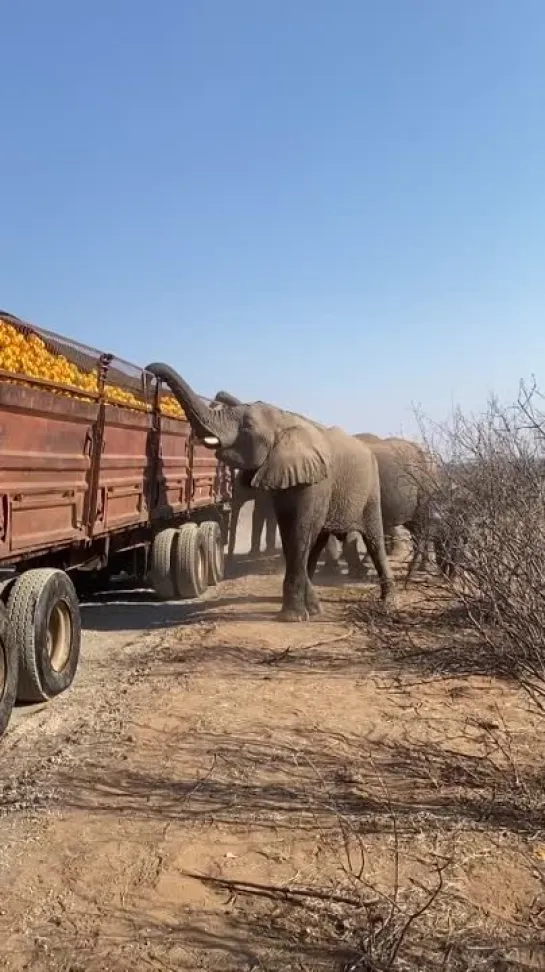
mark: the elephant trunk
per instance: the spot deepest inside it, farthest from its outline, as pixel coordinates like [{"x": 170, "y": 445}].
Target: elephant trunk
[{"x": 217, "y": 427}]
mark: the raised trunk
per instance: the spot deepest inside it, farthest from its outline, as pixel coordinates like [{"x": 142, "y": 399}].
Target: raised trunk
[{"x": 206, "y": 422}]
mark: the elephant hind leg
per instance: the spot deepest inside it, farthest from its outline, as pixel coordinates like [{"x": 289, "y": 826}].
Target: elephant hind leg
[
  {"x": 311, "y": 597},
  {"x": 373, "y": 535},
  {"x": 422, "y": 558},
  {"x": 331, "y": 566},
  {"x": 356, "y": 568},
  {"x": 397, "y": 544}
]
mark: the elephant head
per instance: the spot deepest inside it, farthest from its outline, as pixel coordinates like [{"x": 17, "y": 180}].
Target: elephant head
[
  {"x": 224, "y": 398},
  {"x": 279, "y": 449},
  {"x": 367, "y": 437}
]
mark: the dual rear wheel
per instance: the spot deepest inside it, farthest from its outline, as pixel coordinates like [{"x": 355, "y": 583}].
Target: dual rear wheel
[
  {"x": 185, "y": 561},
  {"x": 40, "y": 622}
]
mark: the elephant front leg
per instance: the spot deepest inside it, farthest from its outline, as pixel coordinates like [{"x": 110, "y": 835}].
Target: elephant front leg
[
  {"x": 296, "y": 553},
  {"x": 235, "y": 513},
  {"x": 270, "y": 534},
  {"x": 258, "y": 520}
]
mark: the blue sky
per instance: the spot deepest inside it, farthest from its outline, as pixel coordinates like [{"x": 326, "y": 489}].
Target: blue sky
[{"x": 334, "y": 205}]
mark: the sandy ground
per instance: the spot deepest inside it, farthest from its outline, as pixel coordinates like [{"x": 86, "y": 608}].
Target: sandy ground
[{"x": 218, "y": 791}]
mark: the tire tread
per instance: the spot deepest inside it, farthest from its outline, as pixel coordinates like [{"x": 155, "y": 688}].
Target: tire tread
[
  {"x": 189, "y": 543},
  {"x": 9, "y": 646},
  {"x": 22, "y": 602},
  {"x": 213, "y": 541},
  {"x": 162, "y": 563}
]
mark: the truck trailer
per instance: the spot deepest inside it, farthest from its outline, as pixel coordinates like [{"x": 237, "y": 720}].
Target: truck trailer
[{"x": 100, "y": 474}]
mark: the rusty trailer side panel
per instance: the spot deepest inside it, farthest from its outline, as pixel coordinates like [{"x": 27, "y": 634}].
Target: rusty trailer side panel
[
  {"x": 72, "y": 471},
  {"x": 205, "y": 485},
  {"x": 172, "y": 468},
  {"x": 126, "y": 466},
  {"x": 45, "y": 461}
]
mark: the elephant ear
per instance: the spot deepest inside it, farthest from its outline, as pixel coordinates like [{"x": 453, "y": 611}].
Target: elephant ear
[{"x": 299, "y": 457}]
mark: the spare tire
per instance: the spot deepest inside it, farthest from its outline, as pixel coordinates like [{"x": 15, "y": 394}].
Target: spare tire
[
  {"x": 44, "y": 613},
  {"x": 214, "y": 552},
  {"x": 9, "y": 666},
  {"x": 190, "y": 562}
]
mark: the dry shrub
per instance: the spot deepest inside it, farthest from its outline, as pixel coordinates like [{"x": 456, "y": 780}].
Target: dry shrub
[{"x": 491, "y": 522}]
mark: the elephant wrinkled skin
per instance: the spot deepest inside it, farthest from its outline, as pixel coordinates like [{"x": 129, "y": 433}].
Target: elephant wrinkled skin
[
  {"x": 407, "y": 478},
  {"x": 322, "y": 481}
]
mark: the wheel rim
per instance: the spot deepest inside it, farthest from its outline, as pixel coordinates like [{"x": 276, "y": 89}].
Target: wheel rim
[{"x": 59, "y": 636}]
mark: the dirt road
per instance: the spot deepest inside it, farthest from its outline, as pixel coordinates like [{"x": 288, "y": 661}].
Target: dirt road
[{"x": 219, "y": 791}]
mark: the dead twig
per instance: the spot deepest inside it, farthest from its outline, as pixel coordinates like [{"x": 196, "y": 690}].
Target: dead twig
[{"x": 274, "y": 890}]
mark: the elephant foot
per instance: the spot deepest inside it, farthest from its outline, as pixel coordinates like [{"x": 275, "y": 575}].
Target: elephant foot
[
  {"x": 292, "y": 614},
  {"x": 388, "y": 595},
  {"x": 314, "y": 608}
]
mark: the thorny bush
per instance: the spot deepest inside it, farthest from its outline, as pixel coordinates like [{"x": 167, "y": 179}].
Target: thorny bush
[{"x": 491, "y": 518}]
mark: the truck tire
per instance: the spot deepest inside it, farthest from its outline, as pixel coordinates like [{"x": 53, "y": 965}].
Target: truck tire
[
  {"x": 190, "y": 560},
  {"x": 9, "y": 667},
  {"x": 213, "y": 547},
  {"x": 162, "y": 570},
  {"x": 44, "y": 613}
]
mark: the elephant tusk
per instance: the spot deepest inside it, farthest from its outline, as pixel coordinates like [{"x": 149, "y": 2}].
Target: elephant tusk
[{"x": 211, "y": 441}]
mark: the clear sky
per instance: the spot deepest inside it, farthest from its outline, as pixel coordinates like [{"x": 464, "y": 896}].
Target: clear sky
[{"x": 334, "y": 205}]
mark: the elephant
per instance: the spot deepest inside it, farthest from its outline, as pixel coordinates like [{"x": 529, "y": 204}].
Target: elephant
[
  {"x": 448, "y": 530},
  {"x": 263, "y": 513},
  {"x": 322, "y": 481},
  {"x": 407, "y": 484}
]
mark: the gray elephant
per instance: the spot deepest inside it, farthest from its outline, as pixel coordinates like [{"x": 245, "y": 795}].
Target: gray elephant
[
  {"x": 321, "y": 480},
  {"x": 407, "y": 483},
  {"x": 263, "y": 514},
  {"x": 450, "y": 522}
]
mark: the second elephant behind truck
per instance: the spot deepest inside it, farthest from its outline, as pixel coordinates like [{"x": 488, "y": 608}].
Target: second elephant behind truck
[{"x": 407, "y": 484}]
